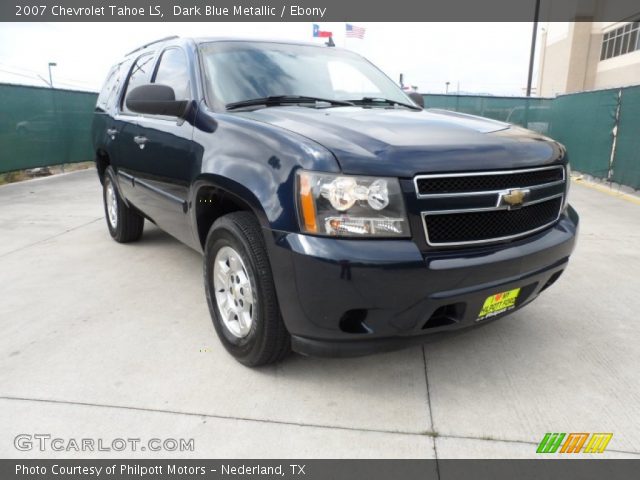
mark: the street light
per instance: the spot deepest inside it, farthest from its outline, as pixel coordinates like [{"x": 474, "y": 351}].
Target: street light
[
  {"x": 536, "y": 16},
  {"x": 446, "y": 87},
  {"x": 51, "y": 64}
]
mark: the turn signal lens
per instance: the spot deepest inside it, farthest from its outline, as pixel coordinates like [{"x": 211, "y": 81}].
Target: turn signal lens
[
  {"x": 567, "y": 180},
  {"x": 307, "y": 204}
]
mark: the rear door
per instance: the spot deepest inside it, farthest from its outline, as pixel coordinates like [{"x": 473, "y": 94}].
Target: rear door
[
  {"x": 129, "y": 161},
  {"x": 105, "y": 127}
]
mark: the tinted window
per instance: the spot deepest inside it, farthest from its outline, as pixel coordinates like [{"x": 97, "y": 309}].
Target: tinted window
[
  {"x": 140, "y": 74},
  {"x": 620, "y": 41},
  {"x": 107, "y": 88},
  {"x": 173, "y": 72},
  {"x": 632, "y": 41},
  {"x": 603, "y": 51},
  {"x": 239, "y": 71},
  {"x": 618, "y": 45},
  {"x": 610, "y": 48},
  {"x": 625, "y": 44}
]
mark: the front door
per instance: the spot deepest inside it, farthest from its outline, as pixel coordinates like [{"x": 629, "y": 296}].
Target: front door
[{"x": 160, "y": 158}]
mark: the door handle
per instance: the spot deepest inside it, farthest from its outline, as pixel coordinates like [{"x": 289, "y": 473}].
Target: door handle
[
  {"x": 112, "y": 132},
  {"x": 140, "y": 140}
]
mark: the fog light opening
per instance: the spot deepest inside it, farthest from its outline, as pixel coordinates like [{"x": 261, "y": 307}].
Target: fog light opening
[
  {"x": 552, "y": 280},
  {"x": 353, "y": 321},
  {"x": 445, "y": 315}
]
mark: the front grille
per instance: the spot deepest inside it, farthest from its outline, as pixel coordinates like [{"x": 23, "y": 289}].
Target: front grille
[
  {"x": 489, "y": 225},
  {"x": 482, "y": 207},
  {"x": 447, "y": 184}
]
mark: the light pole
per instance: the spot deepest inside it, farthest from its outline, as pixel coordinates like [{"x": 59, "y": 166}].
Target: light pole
[
  {"x": 446, "y": 84},
  {"x": 53, "y": 97},
  {"x": 536, "y": 16},
  {"x": 51, "y": 64}
]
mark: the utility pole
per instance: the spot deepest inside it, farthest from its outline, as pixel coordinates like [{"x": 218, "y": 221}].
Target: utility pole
[
  {"x": 53, "y": 97},
  {"x": 534, "y": 35},
  {"x": 51, "y": 64}
]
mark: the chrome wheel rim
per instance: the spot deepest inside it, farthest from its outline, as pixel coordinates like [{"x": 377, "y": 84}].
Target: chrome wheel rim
[
  {"x": 234, "y": 294},
  {"x": 112, "y": 204}
]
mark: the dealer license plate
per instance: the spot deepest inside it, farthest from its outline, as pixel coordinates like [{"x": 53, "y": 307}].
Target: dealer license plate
[{"x": 498, "y": 303}]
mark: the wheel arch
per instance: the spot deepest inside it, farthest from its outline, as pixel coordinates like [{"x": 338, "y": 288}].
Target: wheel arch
[
  {"x": 214, "y": 196},
  {"x": 102, "y": 160}
]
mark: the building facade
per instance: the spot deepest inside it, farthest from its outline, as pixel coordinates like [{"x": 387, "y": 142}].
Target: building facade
[{"x": 577, "y": 56}]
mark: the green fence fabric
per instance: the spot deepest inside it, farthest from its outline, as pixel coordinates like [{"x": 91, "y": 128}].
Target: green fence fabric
[
  {"x": 533, "y": 113},
  {"x": 584, "y": 123},
  {"x": 626, "y": 165},
  {"x": 44, "y": 126}
]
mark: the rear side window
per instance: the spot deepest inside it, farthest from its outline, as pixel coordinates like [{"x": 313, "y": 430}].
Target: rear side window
[
  {"x": 173, "y": 71},
  {"x": 110, "y": 88},
  {"x": 140, "y": 74}
]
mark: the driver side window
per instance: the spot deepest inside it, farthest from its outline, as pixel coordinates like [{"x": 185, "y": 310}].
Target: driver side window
[
  {"x": 173, "y": 71},
  {"x": 140, "y": 74}
]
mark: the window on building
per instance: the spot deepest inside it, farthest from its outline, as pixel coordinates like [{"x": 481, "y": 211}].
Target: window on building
[{"x": 625, "y": 39}]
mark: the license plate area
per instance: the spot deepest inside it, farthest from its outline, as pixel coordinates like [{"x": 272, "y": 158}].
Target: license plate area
[{"x": 498, "y": 304}]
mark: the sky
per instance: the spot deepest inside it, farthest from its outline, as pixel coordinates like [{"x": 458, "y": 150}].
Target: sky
[{"x": 488, "y": 58}]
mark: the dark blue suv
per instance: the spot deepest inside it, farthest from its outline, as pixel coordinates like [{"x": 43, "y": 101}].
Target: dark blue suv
[{"x": 336, "y": 215}]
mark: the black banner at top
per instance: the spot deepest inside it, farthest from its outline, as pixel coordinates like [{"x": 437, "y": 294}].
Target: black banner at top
[{"x": 315, "y": 10}]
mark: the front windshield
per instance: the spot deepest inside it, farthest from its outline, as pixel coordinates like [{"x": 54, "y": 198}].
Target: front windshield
[{"x": 238, "y": 71}]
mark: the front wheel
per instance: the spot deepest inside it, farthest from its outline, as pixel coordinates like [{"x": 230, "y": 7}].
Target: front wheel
[
  {"x": 241, "y": 293},
  {"x": 124, "y": 223}
]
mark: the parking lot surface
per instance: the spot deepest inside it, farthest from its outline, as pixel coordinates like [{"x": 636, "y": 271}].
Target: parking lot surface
[{"x": 101, "y": 340}]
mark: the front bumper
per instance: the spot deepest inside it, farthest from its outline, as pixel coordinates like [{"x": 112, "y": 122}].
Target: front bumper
[{"x": 344, "y": 297}]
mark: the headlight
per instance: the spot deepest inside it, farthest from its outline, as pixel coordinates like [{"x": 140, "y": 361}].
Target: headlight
[
  {"x": 346, "y": 205},
  {"x": 567, "y": 172}
]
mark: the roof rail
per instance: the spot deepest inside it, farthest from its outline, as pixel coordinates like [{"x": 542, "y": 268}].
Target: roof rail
[{"x": 151, "y": 43}]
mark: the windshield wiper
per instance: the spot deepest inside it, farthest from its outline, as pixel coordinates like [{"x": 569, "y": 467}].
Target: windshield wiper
[
  {"x": 285, "y": 100},
  {"x": 384, "y": 101}
]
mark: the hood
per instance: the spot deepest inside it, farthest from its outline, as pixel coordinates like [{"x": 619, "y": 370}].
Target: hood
[{"x": 403, "y": 143}]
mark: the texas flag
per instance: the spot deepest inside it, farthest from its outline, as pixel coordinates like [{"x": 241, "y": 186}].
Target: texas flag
[{"x": 319, "y": 33}]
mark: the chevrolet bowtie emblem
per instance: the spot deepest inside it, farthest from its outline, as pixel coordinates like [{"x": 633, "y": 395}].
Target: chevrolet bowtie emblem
[{"x": 514, "y": 198}]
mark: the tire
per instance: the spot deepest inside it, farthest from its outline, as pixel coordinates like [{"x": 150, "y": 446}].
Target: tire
[
  {"x": 235, "y": 259},
  {"x": 125, "y": 224}
]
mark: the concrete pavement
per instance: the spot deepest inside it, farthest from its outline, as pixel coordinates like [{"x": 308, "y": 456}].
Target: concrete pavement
[{"x": 104, "y": 340}]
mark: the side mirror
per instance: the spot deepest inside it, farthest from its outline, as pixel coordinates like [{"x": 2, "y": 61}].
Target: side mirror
[
  {"x": 416, "y": 97},
  {"x": 155, "y": 99}
]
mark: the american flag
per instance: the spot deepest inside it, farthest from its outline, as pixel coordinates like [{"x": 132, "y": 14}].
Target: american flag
[{"x": 354, "y": 31}]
